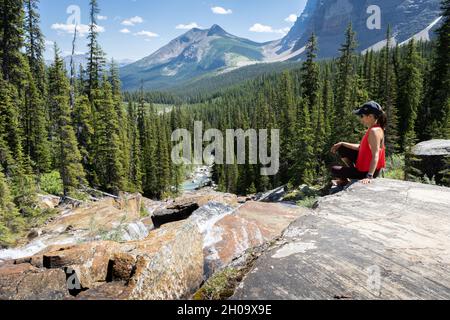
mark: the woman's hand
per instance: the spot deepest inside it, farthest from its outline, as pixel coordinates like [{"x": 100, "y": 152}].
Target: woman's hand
[
  {"x": 336, "y": 147},
  {"x": 366, "y": 181}
]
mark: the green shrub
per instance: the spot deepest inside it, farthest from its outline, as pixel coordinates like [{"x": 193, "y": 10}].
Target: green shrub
[
  {"x": 307, "y": 202},
  {"x": 395, "y": 167},
  {"x": 52, "y": 183}
]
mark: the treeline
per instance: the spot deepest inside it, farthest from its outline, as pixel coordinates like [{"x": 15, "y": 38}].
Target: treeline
[
  {"x": 61, "y": 133},
  {"x": 312, "y": 106}
]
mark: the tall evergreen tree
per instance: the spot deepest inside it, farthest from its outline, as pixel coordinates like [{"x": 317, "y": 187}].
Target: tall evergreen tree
[
  {"x": 388, "y": 95},
  {"x": 67, "y": 155},
  {"x": 108, "y": 155},
  {"x": 343, "y": 128},
  {"x": 11, "y": 37},
  {"x": 311, "y": 96},
  {"x": 436, "y": 111},
  {"x": 11, "y": 222},
  {"x": 96, "y": 60},
  {"x": 34, "y": 125},
  {"x": 410, "y": 95},
  {"x": 35, "y": 43}
]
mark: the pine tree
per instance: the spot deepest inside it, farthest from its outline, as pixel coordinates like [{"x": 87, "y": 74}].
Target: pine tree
[
  {"x": 134, "y": 169},
  {"x": 11, "y": 223},
  {"x": 35, "y": 43},
  {"x": 343, "y": 129},
  {"x": 82, "y": 119},
  {"x": 108, "y": 155},
  {"x": 123, "y": 129},
  {"x": 436, "y": 103},
  {"x": 388, "y": 95},
  {"x": 34, "y": 125},
  {"x": 410, "y": 95},
  {"x": 288, "y": 126},
  {"x": 11, "y": 37},
  {"x": 311, "y": 95},
  {"x": 12, "y": 153},
  {"x": 67, "y": 155},
  {"x": 163, "y": 154},
  {"x": 96, "y": 59}
]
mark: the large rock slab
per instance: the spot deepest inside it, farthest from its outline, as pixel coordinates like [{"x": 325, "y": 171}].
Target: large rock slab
[
  {"x": 228, "y": 232},
  {"x": 168, "y": 264},
  {"x": 107, "y": 219},
  {"x": 387, "y": 240}
]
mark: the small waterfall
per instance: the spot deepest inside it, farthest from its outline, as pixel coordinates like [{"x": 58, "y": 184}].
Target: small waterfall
[{"x": 135, "y": 231}]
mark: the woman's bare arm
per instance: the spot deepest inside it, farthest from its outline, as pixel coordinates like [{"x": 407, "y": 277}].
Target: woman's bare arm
[
  {"x": 352, "y": 146},
  {"x": 344, "y": 144}
]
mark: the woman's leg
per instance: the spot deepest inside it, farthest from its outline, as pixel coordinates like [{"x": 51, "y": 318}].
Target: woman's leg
[
  {"x": 344, "y": 173},
  {"x": 348, "y": 156}
]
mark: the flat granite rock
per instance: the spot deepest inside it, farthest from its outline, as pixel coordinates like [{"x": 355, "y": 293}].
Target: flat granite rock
[
  {"x": 387, "y": 240},
  {"x": 432, "y": 148}
]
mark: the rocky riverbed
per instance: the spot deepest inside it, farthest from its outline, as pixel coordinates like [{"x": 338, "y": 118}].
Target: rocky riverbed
[{"x": 135, "y": 248}]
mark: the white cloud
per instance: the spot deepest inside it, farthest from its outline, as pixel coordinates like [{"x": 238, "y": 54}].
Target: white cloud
[
  {"x": 125, "y": 30},
  {"x": 99, "y": 17},
  {"x": 261, "y": 28},
  {"x": 49, "y": 43},
  {"x": 220, "y": 10},
  {"x": 187, "y": 26},
  {"x": 292, "y": 18},
  {"x": 147, "y": 34},
  {"x": 132, "y": 21},
  {"x": 82, "y": 29}
]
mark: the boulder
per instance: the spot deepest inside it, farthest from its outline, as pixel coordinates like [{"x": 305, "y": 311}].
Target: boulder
[
  {"x": 168, "y": 264},
  {"x": 433, "y": 158},
  {"x": 25, "y": 282},
  {"x": 432, "y": 148},
  {"x": 386, "y": 240},
  {"x": 48, "y": 201}
]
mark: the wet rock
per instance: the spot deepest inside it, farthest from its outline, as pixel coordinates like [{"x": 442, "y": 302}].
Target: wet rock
[
  {"x": 386, "y": 240},
  {"x": 228, "y": 232},
  {"x": 168, "y": 264},
  {"x": 108, "y": 219},
  {"x": 275, "y": 195}
]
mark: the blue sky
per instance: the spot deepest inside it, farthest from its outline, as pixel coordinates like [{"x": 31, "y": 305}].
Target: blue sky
[{"x": 133, "y": 29}]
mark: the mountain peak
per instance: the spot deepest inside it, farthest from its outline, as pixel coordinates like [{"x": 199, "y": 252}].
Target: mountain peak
[{"x": 217, "y": 30}]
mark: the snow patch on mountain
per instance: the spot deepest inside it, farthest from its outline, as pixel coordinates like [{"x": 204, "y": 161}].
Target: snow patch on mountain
[{"x": 423, "y": 35}]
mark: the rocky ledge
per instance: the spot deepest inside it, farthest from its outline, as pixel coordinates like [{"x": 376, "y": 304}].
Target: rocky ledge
[
  {"x": 387, "y": 240},
  {"x": 182, "y": 243}
]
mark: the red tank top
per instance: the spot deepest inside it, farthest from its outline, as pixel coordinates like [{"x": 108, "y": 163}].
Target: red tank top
[{"x": 365, "y": 154}]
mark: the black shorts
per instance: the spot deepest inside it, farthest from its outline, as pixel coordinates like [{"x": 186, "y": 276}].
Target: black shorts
[{"x": 349, "y": 172}]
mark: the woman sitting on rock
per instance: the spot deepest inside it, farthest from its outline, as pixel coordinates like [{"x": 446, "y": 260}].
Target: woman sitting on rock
[{"x": 363, "y": 161}]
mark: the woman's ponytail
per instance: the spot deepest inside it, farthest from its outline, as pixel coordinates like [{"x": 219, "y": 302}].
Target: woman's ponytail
[{"x": 382, "y": 120}]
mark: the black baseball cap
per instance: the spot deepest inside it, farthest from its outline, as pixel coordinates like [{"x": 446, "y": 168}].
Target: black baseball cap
[{"x": 370, "y": 107}]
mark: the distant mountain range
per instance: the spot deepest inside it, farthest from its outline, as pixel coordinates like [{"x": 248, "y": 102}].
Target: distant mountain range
[
  {"x": 82, "y": 59},
  {"x": 197, "y": 53},
  {"x": 201, "y": 54}
]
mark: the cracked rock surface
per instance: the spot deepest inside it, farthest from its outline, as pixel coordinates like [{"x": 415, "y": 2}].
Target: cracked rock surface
[{"x": 387, "y": 240}]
